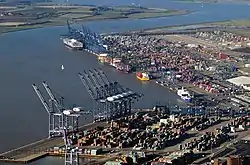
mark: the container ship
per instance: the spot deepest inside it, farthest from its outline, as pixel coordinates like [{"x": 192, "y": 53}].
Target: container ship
[
  {"x": 73, "y": 44},
  {"x": 142, "y": 76}
]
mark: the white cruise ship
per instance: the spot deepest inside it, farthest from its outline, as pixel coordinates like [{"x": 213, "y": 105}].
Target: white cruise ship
[{"x": 73, "y": 44}]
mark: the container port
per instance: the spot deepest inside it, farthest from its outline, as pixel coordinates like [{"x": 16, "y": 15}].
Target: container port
[
  {"x": 150, "y": 133},
  {"x": 212, "y": 122}
]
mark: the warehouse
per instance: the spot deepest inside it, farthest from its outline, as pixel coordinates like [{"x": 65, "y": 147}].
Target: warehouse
[{"x": 243, "y": 81}]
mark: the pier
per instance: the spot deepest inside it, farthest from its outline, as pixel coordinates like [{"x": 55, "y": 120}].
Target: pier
[{"x": 39, "y": 149}]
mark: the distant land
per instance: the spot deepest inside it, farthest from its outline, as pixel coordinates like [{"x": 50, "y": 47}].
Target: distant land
[
  {"x": 241, "y": 27},
  {"x": 215, "y": 1},
  {"x": 17, "y": 16}
]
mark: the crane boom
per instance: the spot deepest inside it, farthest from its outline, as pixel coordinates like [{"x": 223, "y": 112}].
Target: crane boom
[
  {"x": 99, "y": 86},
  {"x": 112, "y": 89},
  {"x": 100, "y": 80},
  {"x": 52, "y": 97},
  {"x": 94, "y": 80},
  {"x": 41, "y": 98},
  {"x": 106, "y": 87},
  {"x": 94, "y": 88},
  {"x": 103, "y": 76},
  {"x": 90, "y": 91}
]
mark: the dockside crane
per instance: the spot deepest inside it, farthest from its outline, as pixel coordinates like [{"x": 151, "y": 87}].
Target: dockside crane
[
  {"x": 55, "y": 119},
  {"x": 69, "y": 120},
  {"x": 99, "y": 86},
  {"x": 106, "y": 84},
  {"x": 59, "y": 106},
  {"x": 93, "y": 92},
  {"x": 112, "y": 99},
  {"x": 63, "y": 118},
  {"x": 88, "y": 88},
  {"x": 112, "y": 86},
  {"x": 92, "y": 86}
]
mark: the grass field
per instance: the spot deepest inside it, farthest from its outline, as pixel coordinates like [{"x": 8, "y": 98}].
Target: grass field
[
  {"x": 28, "y": 17},
  {"x": 215, "y": 1}
]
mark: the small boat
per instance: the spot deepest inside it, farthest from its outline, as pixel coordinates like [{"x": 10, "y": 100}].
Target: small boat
[
  {"x": 184, "y": 94},
  {"x": 62, "y": 67}
]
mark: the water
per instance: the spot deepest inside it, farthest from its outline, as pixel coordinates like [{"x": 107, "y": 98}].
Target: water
[
  {"x": 36, "y": 60},
  {"x": 32, "y": 56},
  {"x": 45, "y": 161}
]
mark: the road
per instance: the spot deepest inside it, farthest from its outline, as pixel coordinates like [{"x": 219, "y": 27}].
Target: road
[{"x": 189, "y": 40}]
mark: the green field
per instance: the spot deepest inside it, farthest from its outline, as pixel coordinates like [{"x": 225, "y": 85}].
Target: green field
[
  {"x": 214, "y": 1},
  {"x": 42, "y": 15},
  {"x": 233, "y": 23}
]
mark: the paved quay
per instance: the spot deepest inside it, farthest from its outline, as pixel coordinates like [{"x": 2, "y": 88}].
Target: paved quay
[{"x": 36, "y": 150}]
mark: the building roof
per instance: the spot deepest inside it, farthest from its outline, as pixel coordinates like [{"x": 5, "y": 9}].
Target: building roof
[{"x": 241, "y": 80}]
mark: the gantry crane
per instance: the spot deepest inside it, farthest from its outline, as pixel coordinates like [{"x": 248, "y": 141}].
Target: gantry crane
[
  {"x": 111, "y": 99},
  {"x": 59, "y": 117},
  {"x": 55, "y": 119},
  {"x": 91, "y": 40}
]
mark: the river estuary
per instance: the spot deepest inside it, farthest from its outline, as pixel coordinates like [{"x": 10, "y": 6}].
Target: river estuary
[{"x": 32, "y": 56}]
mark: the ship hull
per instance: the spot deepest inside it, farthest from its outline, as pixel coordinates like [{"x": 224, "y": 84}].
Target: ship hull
[
  {"x": 142, "y": 78},
  {"x": 123, "y": 70},
  {"x": 73, "y": 48},
  {"x": 187, "y": 99}
]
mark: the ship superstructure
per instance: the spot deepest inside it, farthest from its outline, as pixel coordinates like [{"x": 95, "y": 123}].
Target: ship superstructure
[
  {"x": 142, "y": 76},
  {"x": 73, "y": 44}
]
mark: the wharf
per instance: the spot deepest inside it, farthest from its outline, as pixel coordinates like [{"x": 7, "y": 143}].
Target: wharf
[{"x": 39, "y": 149}]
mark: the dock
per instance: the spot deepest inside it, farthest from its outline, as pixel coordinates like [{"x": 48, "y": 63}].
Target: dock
[{"x": 39, "y": 149}]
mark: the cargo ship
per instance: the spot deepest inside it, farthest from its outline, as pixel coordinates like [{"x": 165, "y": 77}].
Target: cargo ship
[
  {"x": 73, "y": 44},
  {"x": 142, "y": 76}
]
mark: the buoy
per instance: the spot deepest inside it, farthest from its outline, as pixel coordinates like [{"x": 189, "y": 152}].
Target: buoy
[{"x": 62, "y": 67}]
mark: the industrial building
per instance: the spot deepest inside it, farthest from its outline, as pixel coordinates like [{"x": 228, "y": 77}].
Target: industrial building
[{"x": 233, "y": 160}]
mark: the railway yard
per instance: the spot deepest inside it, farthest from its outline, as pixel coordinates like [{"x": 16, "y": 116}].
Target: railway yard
[{"x": 212, "y": 125}]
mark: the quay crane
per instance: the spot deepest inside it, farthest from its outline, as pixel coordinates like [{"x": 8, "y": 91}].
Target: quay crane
[
  {"x": 61, "y": 117},
  {"x": 110, "y": 99},
  {"x": 92, "y": 41}
]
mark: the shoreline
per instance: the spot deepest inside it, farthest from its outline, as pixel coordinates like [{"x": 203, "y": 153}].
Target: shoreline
[
  {"x": 82, "y": 13},
  {"x": 86, "y": 20},
  {"x": 213, "y": 2},
  {"x": 159, "y": 28}
]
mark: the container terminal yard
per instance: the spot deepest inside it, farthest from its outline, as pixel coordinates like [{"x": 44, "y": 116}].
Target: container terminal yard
[{"x": 209, "y": 126}]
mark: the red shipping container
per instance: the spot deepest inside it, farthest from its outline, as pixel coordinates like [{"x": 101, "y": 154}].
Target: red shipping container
[{"x": 223, "y": 56}]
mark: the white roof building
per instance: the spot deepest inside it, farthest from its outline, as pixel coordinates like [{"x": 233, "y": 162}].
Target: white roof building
[{"x": 243, "y": 81}]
